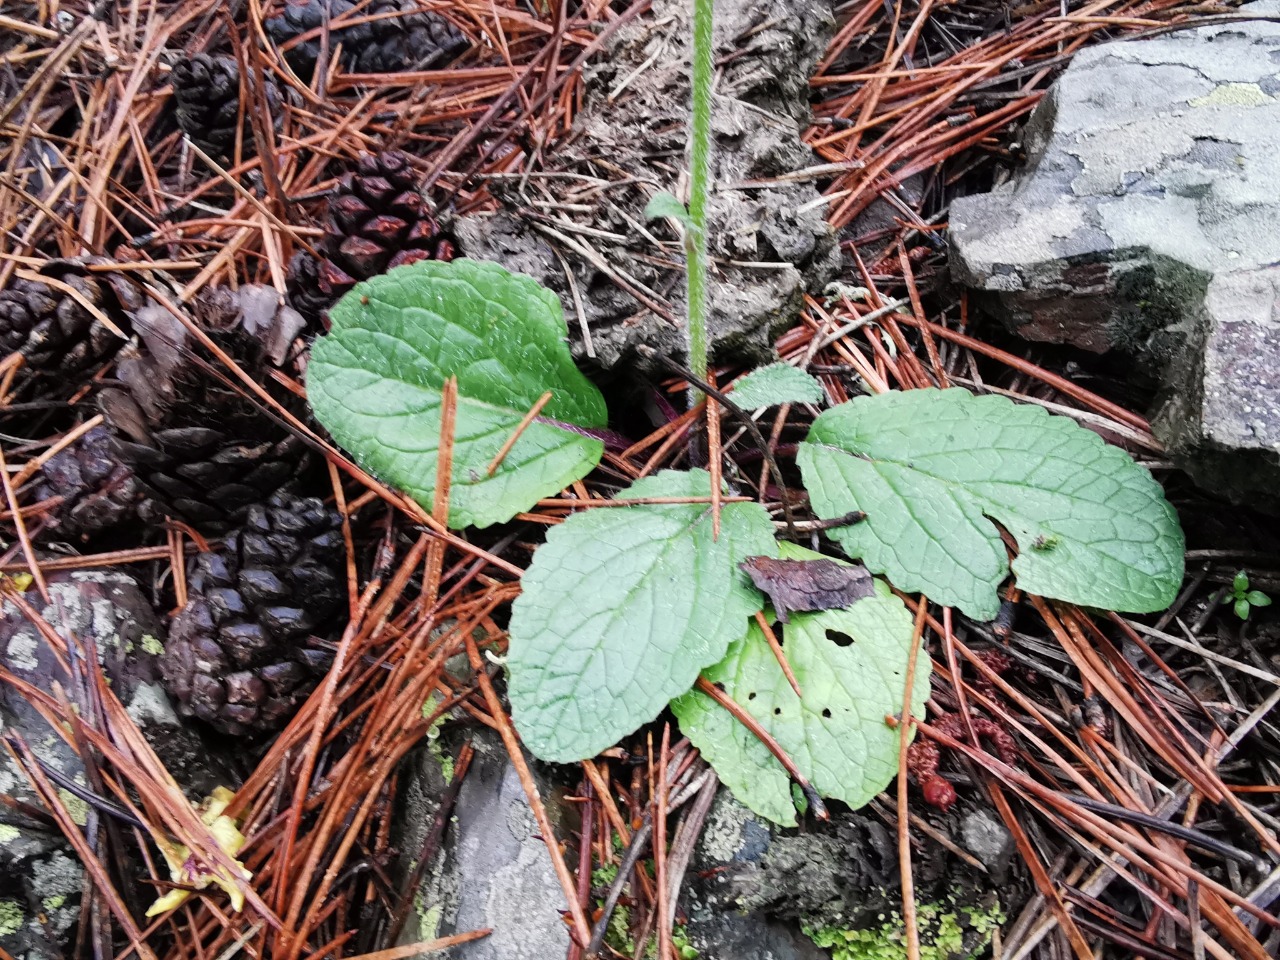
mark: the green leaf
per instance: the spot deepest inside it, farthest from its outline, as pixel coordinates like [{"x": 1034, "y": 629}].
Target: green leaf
[
  {"x": 375, "y": 383},
  {"x": 663, "y": 204},
  {"x": 1242, "y": 609},
  {"x": 775, "y": 384},
  {"x": 930, "y": 467},
  {"x": 1240, "y": 583},
  {"x": 621, "y": 609},
  {"x": 851, "y": 667},
  {"x": 1257, "y": 598}
]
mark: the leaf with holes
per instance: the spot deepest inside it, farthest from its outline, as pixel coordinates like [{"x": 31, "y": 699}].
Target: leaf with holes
[
  {"x": 375, "y": 382},
  {"x": 774, "y": 384},
  {"x": 851, "y": 667},
  {"x": 622, "y": 607},
  {"x": 933, "y": 469}
]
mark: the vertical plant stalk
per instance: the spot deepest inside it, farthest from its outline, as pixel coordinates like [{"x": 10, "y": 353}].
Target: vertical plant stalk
[{"x": 699, "y": 180}]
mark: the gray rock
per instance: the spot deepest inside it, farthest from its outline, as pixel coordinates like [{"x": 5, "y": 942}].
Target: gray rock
[
  {"x": 1145, "y": 220},
  {"x": 1219, "y": 415},
  {"x": 40, "y": 881},
  {"x": 768, "y": 233},
  {"x": 988, "y": 839},
  {"x": 495, "y": 871}
]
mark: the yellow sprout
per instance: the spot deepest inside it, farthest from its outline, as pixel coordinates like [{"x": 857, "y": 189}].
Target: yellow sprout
[{"x": 187, "y": 870}]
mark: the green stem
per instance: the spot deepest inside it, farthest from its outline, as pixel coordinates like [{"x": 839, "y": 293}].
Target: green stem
[{"x": 699, "y": 178}]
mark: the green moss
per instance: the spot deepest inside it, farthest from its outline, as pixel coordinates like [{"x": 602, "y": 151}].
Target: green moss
[
  {"x": 680, "y": 940},
  {"x": 151, "y": 645},
  {"x": 51, "y": 904},
  {"x": 618, "y": 936},
  {"x": 8, "y": 833},
  {"x": 943, "y": 930},
  {"x": 10, "y": 918},
  {"x": 433, "y": 736},
  {"x": 985, "y": 922}
]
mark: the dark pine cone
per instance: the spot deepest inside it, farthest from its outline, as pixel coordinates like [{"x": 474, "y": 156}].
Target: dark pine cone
[
  {"x": 415, "y": 40},
  {"x": 378, "y": 219},
  {"x": 98, "y": 491},
  {"x": 202, "y": 449},
  {"x": 234, "y": 656},
  {"x": 207, "y": 92},
  {"x": 303, "y": 286},
  {"x": 58, "y": 336}
]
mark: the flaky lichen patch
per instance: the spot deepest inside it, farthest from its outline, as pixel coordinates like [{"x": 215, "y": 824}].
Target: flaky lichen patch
[
  {"x": 78, "y": 809},
  {"x": 1234, "y": 95}
]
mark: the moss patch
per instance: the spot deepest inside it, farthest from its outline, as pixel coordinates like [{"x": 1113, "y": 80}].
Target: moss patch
[
  {"x": 946, "y": 933},
  {"x": 151, "y": 645},
  {"x": 10, "y": 918}
]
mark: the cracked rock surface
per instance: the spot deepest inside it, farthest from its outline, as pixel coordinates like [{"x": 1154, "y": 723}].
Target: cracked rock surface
[
  {"x": 584, "y": 215},
  {"x": 1146, "y": 221}
]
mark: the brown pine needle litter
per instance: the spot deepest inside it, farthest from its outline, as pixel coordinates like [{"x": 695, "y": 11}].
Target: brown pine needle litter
[{"x": 1105, "y": 714}]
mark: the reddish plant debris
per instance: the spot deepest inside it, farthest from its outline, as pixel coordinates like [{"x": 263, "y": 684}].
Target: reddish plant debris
[
  {"x": 808, "y": 585},
  {"x": 923, "y": 756}
]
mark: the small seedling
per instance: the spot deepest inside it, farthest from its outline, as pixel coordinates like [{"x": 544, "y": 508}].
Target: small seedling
[
  {"x": 622, "y": 611},
  {"x": 1242, "y": 599}
]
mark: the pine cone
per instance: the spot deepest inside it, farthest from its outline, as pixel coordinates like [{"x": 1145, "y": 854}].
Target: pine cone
[
  {"x": 416, "y": 40},
  {"x": 378, "y": 219},
  {"x": 303, "y": 287},
  {"x": 98, "y": 491},
  {"x": 207, "y": 92},
  {"x": 233, "y": 658},
  {"x": 58, "y": 336},
  {"x": 202, "y": 450}
]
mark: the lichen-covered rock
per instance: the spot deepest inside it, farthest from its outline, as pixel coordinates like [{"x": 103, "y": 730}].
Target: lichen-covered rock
[
  {"x": 1145, "y": 221},
  {"x": 837, "y": 881},
  {"x": 494, "y": 871},
  {"x": 1152, "y": 166},
  {"x": 40, "y": 881},
  {"x": 1219, "y": 412},
  {"x": 767, "y": 233}
]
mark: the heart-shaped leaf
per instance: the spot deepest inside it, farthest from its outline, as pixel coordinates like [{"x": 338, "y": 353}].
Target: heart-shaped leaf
[
  {"x": 622, "y": 607},
  {"x": 851, "y": 667},
  {"x": 375, "y": 382},
  {"x": 929, "y": 467}
]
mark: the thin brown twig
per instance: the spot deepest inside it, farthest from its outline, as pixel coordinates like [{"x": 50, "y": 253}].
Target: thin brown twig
[
  {"x": 905, "y": 730},
  {"x": 581, "y": 929},
  {"x": 778, "y": 653},
  {"x": 510, "y": 442},
  {"x": 811, "y": 795}
]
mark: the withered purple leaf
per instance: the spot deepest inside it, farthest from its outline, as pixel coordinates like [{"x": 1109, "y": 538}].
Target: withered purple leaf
[{"x": 808, "y": 585}]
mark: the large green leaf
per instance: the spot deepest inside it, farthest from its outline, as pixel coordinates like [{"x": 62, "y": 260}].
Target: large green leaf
[
  {"x": 929, "y": 467},
  {"x": 375, "y": 383},
  {"x": 622, "y": 607},
  {"x": 851, "y": 667}
]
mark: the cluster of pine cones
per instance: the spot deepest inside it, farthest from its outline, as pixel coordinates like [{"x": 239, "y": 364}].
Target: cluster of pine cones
[{"x": 176, "y": 436}]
